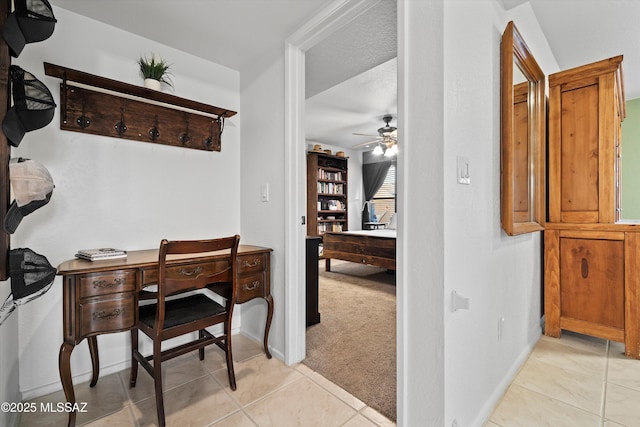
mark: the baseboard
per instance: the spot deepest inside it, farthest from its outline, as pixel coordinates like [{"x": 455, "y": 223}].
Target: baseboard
[{"x": 489, "y": 406}]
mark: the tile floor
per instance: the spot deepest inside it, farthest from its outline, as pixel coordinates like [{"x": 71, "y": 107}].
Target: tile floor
[
  {"x": 197, "y": 394},
  {"x": 576, "y": 381},
  {"x": 573, "y": 381}
]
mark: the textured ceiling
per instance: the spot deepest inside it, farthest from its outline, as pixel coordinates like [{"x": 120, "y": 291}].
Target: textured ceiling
[{"x": 366, "y": 42}]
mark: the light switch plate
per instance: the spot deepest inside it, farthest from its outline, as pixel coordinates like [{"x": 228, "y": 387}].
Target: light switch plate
[{"x": 463, "y": 170}]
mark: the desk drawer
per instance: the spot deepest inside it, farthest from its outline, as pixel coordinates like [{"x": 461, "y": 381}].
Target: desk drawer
[
  {"x": 107, "y": 283},
  {"x": 251, "y": 263},
  {"x": 107, "y": 315},
  {"x": 203, "y": 268},
  {"x": 251, "y": 286}
]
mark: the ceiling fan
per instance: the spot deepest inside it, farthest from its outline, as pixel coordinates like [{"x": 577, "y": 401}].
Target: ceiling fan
[{"x": 386, "y": 141}]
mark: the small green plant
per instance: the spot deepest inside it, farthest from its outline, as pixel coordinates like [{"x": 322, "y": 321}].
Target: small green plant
[{"x": 155, "y": 68}]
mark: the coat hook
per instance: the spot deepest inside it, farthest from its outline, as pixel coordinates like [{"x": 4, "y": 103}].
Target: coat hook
[
  {"x": 121, "y": 127},
  {"x": 184, "y": 137},
  {"x": 83, "y": 121},
  {"x": 154, "y": 133}
]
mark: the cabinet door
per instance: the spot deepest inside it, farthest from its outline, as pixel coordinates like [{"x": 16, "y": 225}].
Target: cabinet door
[{"x": 592, "y": 282}]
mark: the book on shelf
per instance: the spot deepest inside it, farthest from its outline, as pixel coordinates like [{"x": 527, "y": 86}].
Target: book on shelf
[{"x": 100, "y": 253}]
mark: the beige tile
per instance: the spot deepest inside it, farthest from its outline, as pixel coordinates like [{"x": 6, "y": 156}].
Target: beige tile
[
  {"x": 576, "y": 389},
  {"x": 612, "y": 424},
  {"x": 197, "y": 403},
  {"x": 105, "y": 398},
  {"x": 584, "y": 342},
  {"x": 257, "y": 377},
  {"x": 377, "y": 417},
  {"x": 490, "y": 424},
  {"x": 622, "y": 405},
  {"x": 238, "y": 419},
  {"x": 337, "y": 391},
  {"x": 580, "y": 359},
  {"x": 524, "y": 408},
  {"x": 174, "y": 373},
  {"x": 360, "y": 421},
  {"x": 122, "y": 418},
  {"x": 301, "y": 403},
  {"x": 243, "y": 348},
  {"x": 624, "y": 371}
]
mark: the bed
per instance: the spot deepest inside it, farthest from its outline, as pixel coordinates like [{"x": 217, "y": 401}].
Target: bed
[{"x": 372, "y": 247}]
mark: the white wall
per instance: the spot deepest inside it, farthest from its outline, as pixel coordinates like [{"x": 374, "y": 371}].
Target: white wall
[
  {"x": 262, "y": 156},
  {"x": 501, "y": 275},
  {"x": 112, "y": 192}
]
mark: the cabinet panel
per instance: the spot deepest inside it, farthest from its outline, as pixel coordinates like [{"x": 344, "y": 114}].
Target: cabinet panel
[
  {"x": 592, "y": 278},
  {"x": 586, "y": 109},
  {"x": 579, "y": 152}
]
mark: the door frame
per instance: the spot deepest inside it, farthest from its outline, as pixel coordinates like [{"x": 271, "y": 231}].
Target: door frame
[{"x": 323, "y": 24}]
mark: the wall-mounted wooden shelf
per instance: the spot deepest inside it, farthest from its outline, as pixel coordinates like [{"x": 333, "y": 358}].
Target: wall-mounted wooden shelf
[{"x": 123, "y": 110}]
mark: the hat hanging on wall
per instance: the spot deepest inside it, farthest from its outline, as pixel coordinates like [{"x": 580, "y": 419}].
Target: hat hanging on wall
[
  {"x": 32, "y": 187},
  {"x": 31, "y": 276},
  {"x": 33, "y": 106},
  {"x": 31, "y": 21}
]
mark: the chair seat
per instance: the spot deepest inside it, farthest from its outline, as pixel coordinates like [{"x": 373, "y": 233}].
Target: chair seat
[{"x": 181, "y": 311}]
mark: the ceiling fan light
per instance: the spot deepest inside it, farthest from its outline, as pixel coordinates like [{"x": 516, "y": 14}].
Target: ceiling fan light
[
  {"x": 390, "y": 151},
  {"x": 378, "y": 150}
]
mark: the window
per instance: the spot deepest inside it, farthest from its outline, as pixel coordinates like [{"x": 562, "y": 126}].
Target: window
[{"x": 385, "y": 199}]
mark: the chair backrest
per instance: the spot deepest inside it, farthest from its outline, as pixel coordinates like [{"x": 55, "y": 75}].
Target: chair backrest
[{"x": 176, "y": 280}]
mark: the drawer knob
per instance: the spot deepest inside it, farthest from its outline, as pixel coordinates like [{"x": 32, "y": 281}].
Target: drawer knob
[
  {"x": 256, "y": 262},
  {"x": 118, "y": 281},
  {"x": 251, "y": 286},
  {"x": 105, "y": 315},
  {"x": 584, "y": 267}
]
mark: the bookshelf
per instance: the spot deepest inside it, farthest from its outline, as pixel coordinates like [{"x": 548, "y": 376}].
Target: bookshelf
[{"x": 327, "y": 192}]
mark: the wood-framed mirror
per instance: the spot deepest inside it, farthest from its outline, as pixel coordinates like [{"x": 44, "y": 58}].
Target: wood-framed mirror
[{"x": 522, "y": 136}]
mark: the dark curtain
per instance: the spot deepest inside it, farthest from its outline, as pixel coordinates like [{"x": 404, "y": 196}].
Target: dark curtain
[{"x": 373, "y": 175}]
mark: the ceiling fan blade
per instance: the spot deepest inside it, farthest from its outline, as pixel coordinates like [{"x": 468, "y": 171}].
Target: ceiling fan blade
[
  {"x": 365, "y": 134},
  {"x": 364, "y": 144}
]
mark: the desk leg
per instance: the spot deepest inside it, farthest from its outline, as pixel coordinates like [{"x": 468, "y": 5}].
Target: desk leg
[
  {"x": 269, "y": 300},
  {"x": 95, "y": 361},
  {"x": 64, "y": 365}
]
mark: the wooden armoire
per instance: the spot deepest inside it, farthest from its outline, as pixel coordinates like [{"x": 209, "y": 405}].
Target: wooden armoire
[{"x": 591, "y": 260}]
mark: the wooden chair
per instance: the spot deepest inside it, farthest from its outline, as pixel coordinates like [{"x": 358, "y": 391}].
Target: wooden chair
[{"x": 185, "y": 312}]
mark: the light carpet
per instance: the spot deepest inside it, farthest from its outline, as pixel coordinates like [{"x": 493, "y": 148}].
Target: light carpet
[{"x": 354, "y": 345}]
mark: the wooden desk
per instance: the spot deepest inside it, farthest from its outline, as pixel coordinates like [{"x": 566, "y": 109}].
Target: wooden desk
[{"x": 101, "y": 297}]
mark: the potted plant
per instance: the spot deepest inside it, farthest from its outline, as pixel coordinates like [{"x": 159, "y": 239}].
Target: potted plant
[{"x": 155, "y": 72}]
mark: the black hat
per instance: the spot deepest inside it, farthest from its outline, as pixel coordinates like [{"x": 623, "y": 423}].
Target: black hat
[
  {"x": 31, "y": 276},
  {"x": 31, "y": 21},
  {"x": 33, "y": 106},
  {"x": 32, "y": 187}
]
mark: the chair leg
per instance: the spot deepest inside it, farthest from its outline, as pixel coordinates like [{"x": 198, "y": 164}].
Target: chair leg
[
  {"x": 134, "y": 362},
  {"x": 229, "y": 353},
  {"x": 201, "y": 349},
  {"x": 157, "y": 379}
]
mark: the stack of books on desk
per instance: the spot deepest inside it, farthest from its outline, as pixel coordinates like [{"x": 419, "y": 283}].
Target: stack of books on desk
[{"x": 100, "y": 253}]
